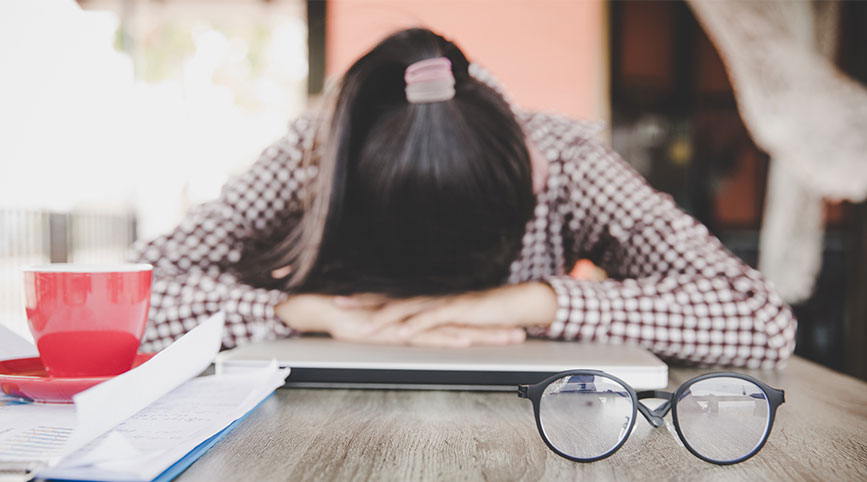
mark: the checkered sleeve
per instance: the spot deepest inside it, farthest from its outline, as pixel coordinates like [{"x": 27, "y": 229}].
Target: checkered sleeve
[
  {"x": 193, "y": 276},
  {"x": 674, "y": 288}
]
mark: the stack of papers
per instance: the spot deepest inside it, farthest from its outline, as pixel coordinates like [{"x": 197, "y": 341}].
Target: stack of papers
[{"x": 146, "y": 424}]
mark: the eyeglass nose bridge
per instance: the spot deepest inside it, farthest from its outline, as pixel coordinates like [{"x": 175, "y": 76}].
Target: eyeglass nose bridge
[{"x": 656, "y": 416}]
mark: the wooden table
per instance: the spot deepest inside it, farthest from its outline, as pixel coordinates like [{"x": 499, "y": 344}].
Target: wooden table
[{"x": 300, "y": 434}]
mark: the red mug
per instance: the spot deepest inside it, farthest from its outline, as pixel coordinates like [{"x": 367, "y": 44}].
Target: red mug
[{"x": 87, "y": 320}]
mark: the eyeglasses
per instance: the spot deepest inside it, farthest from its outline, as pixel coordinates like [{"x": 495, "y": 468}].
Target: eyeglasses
[{"x": 586, "y": 415}]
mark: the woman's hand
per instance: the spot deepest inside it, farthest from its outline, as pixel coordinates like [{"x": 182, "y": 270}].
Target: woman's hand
[
  {"x": 513, "y": 306},
  {"x": 328, "y": 314},
  {"x": 492, "y": 317}
]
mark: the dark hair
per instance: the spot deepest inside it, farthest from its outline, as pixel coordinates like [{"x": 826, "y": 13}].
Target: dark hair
[{"x": 410, "y": 198}]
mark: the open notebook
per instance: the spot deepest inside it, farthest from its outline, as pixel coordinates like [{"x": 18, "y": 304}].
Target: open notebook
[{"x": 323, "y": 362}]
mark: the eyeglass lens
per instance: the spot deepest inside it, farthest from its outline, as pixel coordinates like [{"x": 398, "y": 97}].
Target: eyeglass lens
[
  {"x": 585, "y": 416},
  {"x": 723, "y": 418}
]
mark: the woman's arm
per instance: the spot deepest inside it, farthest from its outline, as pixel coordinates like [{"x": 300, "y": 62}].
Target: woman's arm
[
  {"x": 193, "y": 264},
  {"x": 674, "y": 289},
  {"x": 354, "y": 323}
]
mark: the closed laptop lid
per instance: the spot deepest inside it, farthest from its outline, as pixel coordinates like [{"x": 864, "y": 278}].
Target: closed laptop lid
[{"x": 324, "y": 362}]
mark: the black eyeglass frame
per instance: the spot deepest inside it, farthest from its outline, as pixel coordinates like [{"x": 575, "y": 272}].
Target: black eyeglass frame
[{"x": 655, "y": 417}]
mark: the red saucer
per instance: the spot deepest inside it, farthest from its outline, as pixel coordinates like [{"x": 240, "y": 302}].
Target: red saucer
[{"x": 27, "y": 378}]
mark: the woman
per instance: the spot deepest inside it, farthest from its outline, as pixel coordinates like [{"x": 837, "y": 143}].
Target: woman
[{"x": 424, "y": 210}]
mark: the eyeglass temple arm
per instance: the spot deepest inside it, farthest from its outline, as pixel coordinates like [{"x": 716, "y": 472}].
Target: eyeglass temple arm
[{"x": 655, "y": 416}]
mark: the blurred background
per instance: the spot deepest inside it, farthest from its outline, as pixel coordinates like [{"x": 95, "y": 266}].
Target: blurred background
[{"x": 116, "y": 116}]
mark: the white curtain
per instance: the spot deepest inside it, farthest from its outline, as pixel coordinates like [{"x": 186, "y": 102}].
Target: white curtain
[{"x": 807, "y": 115}]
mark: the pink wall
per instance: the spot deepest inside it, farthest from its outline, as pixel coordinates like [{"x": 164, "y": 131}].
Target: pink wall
[{"x": 550, "y": 54}]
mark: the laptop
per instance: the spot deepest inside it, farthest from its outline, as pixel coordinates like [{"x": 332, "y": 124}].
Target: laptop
[{"x": 322, "y": 362}]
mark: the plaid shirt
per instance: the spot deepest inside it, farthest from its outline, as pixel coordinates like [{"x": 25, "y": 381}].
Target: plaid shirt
[{"x": 674, "y": 288}]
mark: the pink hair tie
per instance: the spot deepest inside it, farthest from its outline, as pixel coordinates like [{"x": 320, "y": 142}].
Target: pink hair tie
[{"x": 430, "y": 80}]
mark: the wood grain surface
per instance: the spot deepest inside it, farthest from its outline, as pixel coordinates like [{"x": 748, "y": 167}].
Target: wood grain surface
[{"x": 304, "y": 434}]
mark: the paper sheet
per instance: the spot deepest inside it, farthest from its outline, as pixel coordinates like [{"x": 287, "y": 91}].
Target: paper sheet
[
  {"x": 13, "y": 345},
  {"x": 111, "y": 402},
  {"x": 34, "y": 433}
]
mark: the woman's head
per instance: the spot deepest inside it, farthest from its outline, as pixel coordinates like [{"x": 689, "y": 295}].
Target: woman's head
[{"x": 413, "y": 197}]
